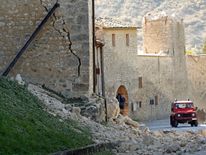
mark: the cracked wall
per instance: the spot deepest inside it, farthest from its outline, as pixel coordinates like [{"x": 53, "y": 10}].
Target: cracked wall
[
  {"x": 164, "y": 35},
  {"x": 59, "y": 55}
]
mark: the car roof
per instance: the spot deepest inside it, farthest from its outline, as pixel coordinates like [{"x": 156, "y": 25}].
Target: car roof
[{"x": 183, "y": 102}]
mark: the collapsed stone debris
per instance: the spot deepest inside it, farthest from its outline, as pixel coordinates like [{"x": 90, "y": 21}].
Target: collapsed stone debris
[{"x": 129, "y": 137}]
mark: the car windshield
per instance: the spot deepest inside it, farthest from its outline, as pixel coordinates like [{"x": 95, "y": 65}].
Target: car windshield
[{"x": 184, "y": 105}]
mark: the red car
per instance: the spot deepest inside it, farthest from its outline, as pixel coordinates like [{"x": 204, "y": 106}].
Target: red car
[{"x": 183, "y": 112}]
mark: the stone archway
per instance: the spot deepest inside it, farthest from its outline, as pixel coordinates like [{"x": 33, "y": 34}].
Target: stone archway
[{"x": 123, "y": 91}]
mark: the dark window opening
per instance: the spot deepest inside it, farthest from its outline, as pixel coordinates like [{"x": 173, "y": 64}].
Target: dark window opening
[
  {"x": 113, "y": 39},
  {"x": 151, "y": 102},
  {"x": 140, "y": 82},
  {"x": 140, "y": 104},
  {"x": 156, "y": 100},
  {"x": 127, "y": 39}
]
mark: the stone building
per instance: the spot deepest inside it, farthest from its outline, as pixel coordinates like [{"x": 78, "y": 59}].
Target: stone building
[
  {"x": 59, "y": 57},
  {"x": 152, "y": 80},
  {"x": 196, "y": 72},
  {"x": 163, "y": 34},
  {"x": 119, "y": 40}
]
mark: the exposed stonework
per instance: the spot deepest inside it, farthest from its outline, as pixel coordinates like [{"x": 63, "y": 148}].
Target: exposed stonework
[
  {"x": 128, "y": 137},
  {"x": 201, "y": 116},
  {"x": 124, "y": 67},
  {"x": 113, "y": 108},
  {"x": 165, "y": 76},
  {"x": 196, "y": 79},
  {"x": 59, "y": 55},
  {"x": 163, "y": 35}
]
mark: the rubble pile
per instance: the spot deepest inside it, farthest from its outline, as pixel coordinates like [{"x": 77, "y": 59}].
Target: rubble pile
[
  {"x": 129, "y": 136},
  {"x": 201, "y": 114}
]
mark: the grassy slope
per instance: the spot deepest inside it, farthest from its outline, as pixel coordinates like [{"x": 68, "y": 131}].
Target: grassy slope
[{"x": 26, "y": 129}]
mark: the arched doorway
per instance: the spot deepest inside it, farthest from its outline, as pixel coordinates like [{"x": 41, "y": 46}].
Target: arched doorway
[{"x": 123, "y": 92}]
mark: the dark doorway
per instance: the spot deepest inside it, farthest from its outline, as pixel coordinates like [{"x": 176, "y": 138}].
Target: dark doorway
[{"x": 123, "y": 92}]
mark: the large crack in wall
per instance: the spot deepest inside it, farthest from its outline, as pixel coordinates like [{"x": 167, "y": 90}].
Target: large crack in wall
[{"x": 63, "y": 32}]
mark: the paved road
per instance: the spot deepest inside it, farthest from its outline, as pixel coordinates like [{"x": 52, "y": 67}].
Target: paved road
[{"x": 165, "y": 125}]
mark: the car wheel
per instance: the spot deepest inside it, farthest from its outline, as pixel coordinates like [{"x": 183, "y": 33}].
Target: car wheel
[
  {"x": 195, "y": 123},
  {"x": 171, "y": 122},
  {"x": 175, "y": 123}
]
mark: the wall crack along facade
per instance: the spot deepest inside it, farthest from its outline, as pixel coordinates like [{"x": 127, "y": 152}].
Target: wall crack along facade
[
  {"x": 64, "y": 32},
  {"x": 59, "y": 56}
]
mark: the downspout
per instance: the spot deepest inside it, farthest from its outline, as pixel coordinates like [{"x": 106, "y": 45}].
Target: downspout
[
  {"x": 94, "y": 61},
  {"x": 93, "y": 48},
  {"x": 102, "y": 71},
  {"x": 103, "y": 82}
]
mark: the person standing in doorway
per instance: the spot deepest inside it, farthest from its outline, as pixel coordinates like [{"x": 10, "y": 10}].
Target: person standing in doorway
[{"x": 121, "y": 100}]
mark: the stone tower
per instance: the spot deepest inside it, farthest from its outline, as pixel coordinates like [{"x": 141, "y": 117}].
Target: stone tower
[{"x": 163, "y": 34}]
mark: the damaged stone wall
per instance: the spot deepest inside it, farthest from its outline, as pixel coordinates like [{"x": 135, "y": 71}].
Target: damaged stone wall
[
  {"x": 59, "y": 55},
  {"x": 163, "y": 35}
]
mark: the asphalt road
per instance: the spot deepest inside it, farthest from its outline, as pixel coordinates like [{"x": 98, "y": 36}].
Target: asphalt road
[{"x": 165, "y": 125}]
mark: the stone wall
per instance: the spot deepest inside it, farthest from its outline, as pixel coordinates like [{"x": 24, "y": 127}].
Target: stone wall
[
  {"x": 49, "y": 60},
  {"x": 120, "y": 39},
  {"x": 162, "y": 76},
  {"x": 196, "y": 79},
  {"x": 163, "y": 35},
  {"x": 165, "y": 76}
]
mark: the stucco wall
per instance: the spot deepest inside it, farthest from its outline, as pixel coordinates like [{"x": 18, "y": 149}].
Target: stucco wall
[{"x": 48, "y": 60}]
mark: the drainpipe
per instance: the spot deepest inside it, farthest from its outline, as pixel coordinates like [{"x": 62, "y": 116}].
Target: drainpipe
[
  {"x": 102, "y": 71},
  {"x": 94, "y": 61},
  {"x": 102, "y": 78},
  {"x": 93, "y": 48}
]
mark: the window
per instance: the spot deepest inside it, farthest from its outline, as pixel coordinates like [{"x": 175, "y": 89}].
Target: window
[
  {"x": 134, "y": 106},
  {"x": 140, "y": 82},
  {"x": 113, "y": 40},
  {"x": 140, "y": 104},
  {"x": 184, "y": 105},
  {"x": 127, "y": 39},
  {"x": 151, "y": 102},
  {"x": 156, "y": 100}
]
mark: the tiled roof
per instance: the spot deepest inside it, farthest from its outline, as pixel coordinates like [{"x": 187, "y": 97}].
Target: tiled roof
[{"x": 112, "y": 23}]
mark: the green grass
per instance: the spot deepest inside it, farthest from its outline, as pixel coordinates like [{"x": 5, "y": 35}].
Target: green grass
[{"x": 25, "y": 128}]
